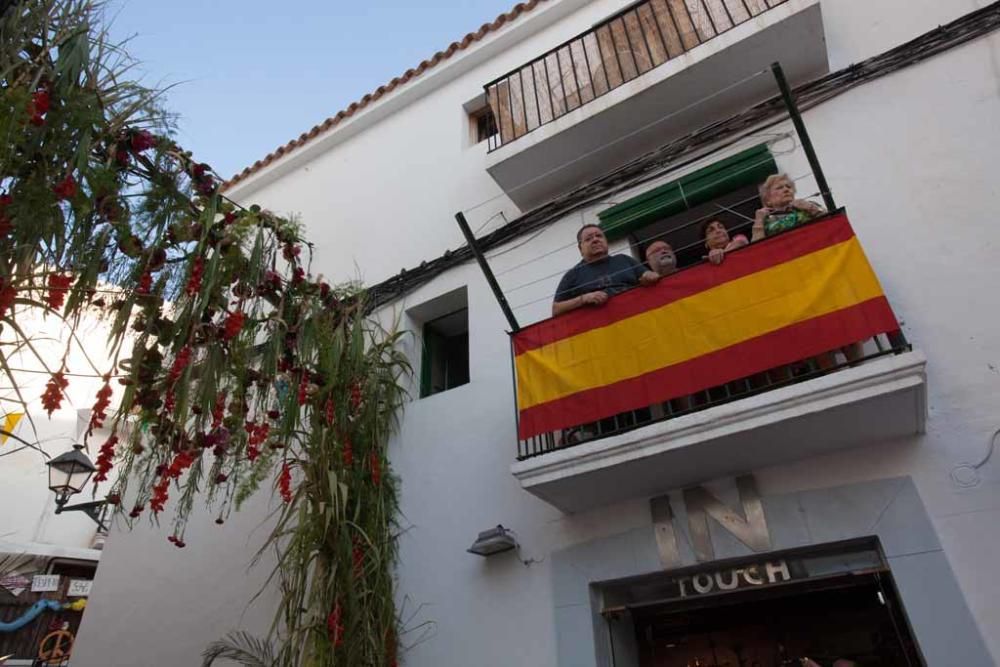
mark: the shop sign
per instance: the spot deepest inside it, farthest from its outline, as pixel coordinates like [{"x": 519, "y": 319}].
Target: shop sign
[
  {"x": 44, "y": 583},
  {"x": 749, "y": 526},
  {"x": 79, "y": 588},
  {"x": 731, "y": 579}
]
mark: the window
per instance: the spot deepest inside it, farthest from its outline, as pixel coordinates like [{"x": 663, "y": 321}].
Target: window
[
  {"x": 483, "y": 123},
  {"x": 675, "y": 212},
  {"x": 443, "y": 326}
]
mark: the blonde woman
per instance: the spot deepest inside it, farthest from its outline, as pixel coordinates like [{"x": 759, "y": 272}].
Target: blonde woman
[{"x": 781, "y": 210}]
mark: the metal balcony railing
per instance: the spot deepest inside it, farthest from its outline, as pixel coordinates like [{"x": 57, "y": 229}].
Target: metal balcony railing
[{"x": 609, "y": 55}]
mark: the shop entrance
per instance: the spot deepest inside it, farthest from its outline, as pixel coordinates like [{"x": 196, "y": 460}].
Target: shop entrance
[{"x": 836, "y": 607}]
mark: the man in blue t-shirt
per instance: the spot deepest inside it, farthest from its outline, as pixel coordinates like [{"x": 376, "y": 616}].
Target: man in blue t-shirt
[{"x": 598, "y": 275}]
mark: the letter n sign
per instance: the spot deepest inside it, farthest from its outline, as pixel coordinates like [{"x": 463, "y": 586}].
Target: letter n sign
[{"x": 750, "y": 528}]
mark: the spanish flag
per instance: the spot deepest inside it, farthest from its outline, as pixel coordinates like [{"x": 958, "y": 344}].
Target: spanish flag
[{"x": 778, "y": 301}]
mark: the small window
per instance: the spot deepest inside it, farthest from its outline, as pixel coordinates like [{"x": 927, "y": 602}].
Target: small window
[
  {"x": 483, "y": 123},
  {"x": 443, "y": 328},
  {"x": 445, "y": 362}
]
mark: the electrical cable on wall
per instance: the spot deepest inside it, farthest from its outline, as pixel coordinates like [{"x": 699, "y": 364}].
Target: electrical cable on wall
[{"x": 966, "y": 475}]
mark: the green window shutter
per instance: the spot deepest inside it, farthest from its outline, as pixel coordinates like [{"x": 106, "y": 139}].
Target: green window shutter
[{"x": 745, "y": 168}]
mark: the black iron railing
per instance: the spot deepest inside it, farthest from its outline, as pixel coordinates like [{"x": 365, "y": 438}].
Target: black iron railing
[
  {"x": 783, "y": 376},
  {"x": 630, "y": 43}
]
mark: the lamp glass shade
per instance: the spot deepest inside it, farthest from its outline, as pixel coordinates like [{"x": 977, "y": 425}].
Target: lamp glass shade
[{"x": 69, "y": 473}]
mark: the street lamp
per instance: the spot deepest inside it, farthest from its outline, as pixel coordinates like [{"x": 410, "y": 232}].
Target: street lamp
[
  {"x": 68, "y": 474},
  {"x": 493, "y": 541}
]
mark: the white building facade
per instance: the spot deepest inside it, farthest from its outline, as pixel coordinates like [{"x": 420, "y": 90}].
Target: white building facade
[{"x": 708, "y": 536}]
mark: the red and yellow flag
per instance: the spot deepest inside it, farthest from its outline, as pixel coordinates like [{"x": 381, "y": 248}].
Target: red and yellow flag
[{"x": 776, "y": 302}]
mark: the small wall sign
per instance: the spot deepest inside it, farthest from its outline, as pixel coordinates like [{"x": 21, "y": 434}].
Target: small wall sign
[
  {"x": 44, "y": 583},
  {"x": 79, "y": 588}
]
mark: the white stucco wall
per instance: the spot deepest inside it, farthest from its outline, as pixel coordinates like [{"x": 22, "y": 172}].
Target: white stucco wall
[
  {"x": 910, "y": 155},
  {"x": 30, "y": 523}
]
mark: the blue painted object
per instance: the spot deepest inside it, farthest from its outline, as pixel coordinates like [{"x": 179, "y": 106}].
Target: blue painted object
[{"x": 27, "y": 617}]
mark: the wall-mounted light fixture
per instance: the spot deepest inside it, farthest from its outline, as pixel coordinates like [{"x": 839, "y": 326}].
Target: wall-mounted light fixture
[
  {"x": 68, "y": 475},
  {"x": 493, "y": 541}
]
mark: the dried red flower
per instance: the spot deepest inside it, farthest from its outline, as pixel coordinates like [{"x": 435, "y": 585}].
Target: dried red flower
[
  {"x": 53, "y": 395},
  {"x": 66, "y": 188},
  {"x": 356, "y": 397},
  {"x": 58, "y": 285},
  {"x": 376, "y": 467},
  {"x": 99, "y": 412},
  {"x": 160, "y": 495},
  {"x": 142, "y": 140},
  {"x": 330, "y": 411},
  {"x": 285, "y": 483},
  {"x": 105, "y": 459},
  {"x": 41, "y": 102},
  {"x": 348, "y": 453},
  {"x": 335, "y": 625},
  {"x": 7, "y": 296},
  {"x": 181, "y": 362},
  {"x": 218, "y": 410},
  {"x": 234, "y": 324},
  {"x": 145, "y": 283},
  {"x": 303, "y": 396},
  {"x": 114, "y": 499},
  {"x": 194, "y": 281}
]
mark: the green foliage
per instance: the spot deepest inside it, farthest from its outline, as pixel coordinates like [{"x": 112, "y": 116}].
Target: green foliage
[{"x": 238, "y": 366}]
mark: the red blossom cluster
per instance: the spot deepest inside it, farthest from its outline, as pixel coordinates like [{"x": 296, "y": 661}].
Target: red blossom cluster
[
  {"x": 169, "y": 401},
  {"x": 233, "y": 325},
  {"x": 376, "y": 467},
  {"x": 7, "y": 296},
  {"x": 181, "y": 462},
  {"x": 218, "y": 410},
  {"x": 53, "y": 395},
  {"x": 348, "y": 453},
  {"x": 329, "y": 411},
  {"x": 203, "y": 181},
  {"x": 105, "y": 458},
  {"x": 335, "y": 625},
  {"x": 145, "y": 283},
  {"x": 142, "y": 140},
  {"x": 180, "y": 363},
  {"x": 303, "y": 395},
  {"x": 5, "y": 223},
  {"x": 39, "y": 105},
  {"x": 99, "y": 412},
  {"x": 258, "y": 432},
  {"x": 285, "y": 483},
  {"x": 58, "y": 285},
  {"x": 176, "y": 541},
  {"x": 66, "y": 188},
  {"x": 194, "y": 281},
  {"x": 356, "y": 397}
]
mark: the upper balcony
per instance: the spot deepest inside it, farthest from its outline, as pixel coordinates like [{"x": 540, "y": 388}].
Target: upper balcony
[
  {"x": 656, "y": 70},
  {"x": 786, "y": 350}
]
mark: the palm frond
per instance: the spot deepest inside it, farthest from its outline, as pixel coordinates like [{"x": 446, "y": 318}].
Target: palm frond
[{"x": 241, "y": 647}]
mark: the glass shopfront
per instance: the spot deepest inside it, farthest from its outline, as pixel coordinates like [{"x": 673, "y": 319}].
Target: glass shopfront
[{"x": 829, "y": 606}]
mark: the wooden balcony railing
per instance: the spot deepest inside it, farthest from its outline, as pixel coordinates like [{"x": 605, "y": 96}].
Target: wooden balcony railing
[{"x": 614, "y": 52}]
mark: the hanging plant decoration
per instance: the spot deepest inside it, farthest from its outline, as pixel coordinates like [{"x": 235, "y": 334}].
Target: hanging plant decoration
[{"x": 236, "y": 364}]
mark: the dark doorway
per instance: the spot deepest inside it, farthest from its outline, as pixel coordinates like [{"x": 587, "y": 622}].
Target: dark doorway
[{"x": 854, "y": 619}]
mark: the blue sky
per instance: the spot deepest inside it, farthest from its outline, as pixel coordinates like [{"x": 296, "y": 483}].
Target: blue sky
[{"x": 251, "y": 75}]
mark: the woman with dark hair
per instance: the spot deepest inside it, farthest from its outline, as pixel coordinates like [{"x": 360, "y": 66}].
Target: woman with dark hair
[{"x": 718, "y": 242}]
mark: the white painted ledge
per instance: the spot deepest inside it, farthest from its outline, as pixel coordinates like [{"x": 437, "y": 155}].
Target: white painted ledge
[{"x": 880, "y": 400}]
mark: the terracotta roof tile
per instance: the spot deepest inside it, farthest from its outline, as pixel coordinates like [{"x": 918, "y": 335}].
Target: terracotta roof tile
[{"x": 440, "y": 56}]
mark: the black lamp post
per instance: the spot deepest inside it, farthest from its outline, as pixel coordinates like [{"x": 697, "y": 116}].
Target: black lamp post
[{"x": 68, "y": 475}]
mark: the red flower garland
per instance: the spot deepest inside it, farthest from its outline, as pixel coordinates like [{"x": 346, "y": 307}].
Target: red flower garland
[
  {"x": 180, "y": 363},
  {"x": 66, "y": 188},
  {"x": 7, "y": 296},
  {"x": 335, "y": 625},
  {"x": 348, "y": 453},
  {"x": 234, "y": 324},
  {"x": 376, "y": 467},
  {"x": 99, "y": 412},
  {"x": 58, "y": 285},
  {"x": 285, "y": 483},
  {"x": 194, "y": 281},
  {"x": 54, "y": 392},
  {"x": 105, "y": 459}
]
